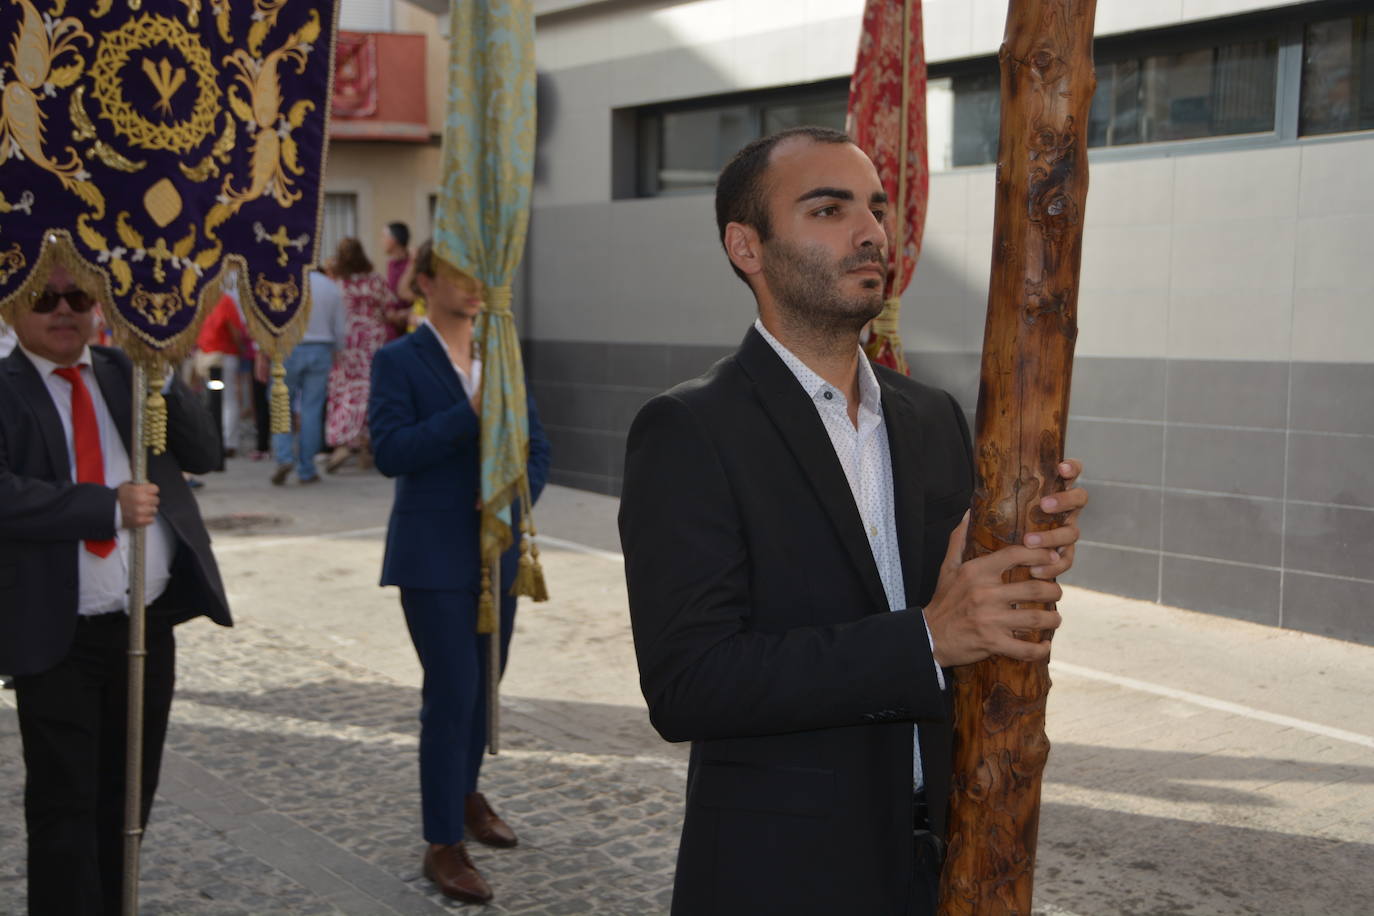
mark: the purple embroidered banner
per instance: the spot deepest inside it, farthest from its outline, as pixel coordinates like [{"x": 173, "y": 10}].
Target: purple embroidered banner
[{"x": 147, "y": 150}]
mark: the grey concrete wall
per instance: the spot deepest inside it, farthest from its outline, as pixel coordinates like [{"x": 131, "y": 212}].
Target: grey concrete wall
[{"x": 1243, "y": 489}]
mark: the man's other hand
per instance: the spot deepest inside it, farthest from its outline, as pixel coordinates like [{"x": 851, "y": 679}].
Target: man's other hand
[
  {"x": 973, "y": 614},
  {"x": 137, "y": 503}
]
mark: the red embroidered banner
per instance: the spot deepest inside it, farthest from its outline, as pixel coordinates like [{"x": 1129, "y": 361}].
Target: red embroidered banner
[
  {"x": 887, "y": 119},
  {"x": 355, "y": 75}
]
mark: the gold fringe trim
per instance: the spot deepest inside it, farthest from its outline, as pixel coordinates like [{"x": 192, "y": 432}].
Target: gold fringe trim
[{"x": 280, "y": 399}]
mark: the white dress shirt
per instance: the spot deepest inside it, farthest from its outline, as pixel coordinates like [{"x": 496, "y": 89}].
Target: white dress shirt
[
  {"x": 469, "y": 380},
  {"x": 864, "y": 454},
  {"x": 103, "y": 582}
]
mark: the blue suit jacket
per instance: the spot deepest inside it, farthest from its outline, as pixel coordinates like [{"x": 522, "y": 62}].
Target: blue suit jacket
[{"x": 425, "y": 434}]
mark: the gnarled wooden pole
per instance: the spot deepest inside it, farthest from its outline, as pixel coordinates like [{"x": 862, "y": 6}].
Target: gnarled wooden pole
[{"x": 1000, "y": 746}]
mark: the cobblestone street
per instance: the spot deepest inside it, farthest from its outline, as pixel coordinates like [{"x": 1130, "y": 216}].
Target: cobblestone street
[{"x": 1201, "y": 765}]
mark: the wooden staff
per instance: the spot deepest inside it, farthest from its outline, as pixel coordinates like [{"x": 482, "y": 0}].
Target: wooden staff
[{"x": 1023, "y": 403}]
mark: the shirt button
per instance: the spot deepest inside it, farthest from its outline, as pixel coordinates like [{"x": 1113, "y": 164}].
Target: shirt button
[
  {"x": 873, "y": 530},
  {"x": 829, "y": 396}
]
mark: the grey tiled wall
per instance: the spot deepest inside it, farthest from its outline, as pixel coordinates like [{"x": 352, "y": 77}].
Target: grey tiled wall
[{"x": 1238, "y": 488}]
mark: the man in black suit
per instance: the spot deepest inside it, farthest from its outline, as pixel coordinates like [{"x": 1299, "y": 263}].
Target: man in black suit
[
  {"x": 66, "y": 511},
  {"x": 793, "y": 523}
]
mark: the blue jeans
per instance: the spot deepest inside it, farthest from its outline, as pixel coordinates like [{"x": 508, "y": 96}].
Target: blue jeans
[{"x": 307, "y": 379}]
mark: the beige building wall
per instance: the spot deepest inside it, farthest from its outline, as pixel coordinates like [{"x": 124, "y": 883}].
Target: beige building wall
[{"x": 394, "y": 181}]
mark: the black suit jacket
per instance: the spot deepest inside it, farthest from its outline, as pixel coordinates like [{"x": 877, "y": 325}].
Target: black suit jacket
[
  {"x": 764, "y": 635},
  {"x": 42, "y": 513}
]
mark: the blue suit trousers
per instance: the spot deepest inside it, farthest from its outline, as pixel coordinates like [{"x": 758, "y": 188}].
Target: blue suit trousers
[{"x": 453, "y": 708}]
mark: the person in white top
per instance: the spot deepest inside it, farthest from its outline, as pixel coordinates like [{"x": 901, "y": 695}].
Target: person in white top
[
  {"x": 307, "y": 379},
  {"x": 67, "y": 508},
  {"x": 793, "y": 523}
]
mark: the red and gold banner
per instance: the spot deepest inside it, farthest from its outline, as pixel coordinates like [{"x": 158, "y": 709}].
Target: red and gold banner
[{"x": 887, "y": 119}]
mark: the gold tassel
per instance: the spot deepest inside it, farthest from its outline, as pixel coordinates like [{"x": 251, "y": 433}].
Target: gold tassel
[
  {"x": 155, "y": 417},
  {"x": 529, "y": 578},
  {"x": 524, "y": 573},
  {"x": 281, "y": 399},
  {"x": 540, "y": 590},
  {"x": 486, "y": 604}
]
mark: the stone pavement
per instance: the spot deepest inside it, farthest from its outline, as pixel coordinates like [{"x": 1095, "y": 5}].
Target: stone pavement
[{"x": 1200, "y": 765}]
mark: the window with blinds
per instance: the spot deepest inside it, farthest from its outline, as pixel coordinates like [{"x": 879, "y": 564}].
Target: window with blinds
[
  {"x": 340, "y": 222},
  {"x": 366, "y": 15}
]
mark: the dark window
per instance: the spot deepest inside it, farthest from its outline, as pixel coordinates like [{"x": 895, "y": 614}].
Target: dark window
[
  {"x": 977, "y": 114},
  {"x": 682, "y": 147},
  {"x": 1338, "y": 76},
  {"x": 1181, "y": 95}
]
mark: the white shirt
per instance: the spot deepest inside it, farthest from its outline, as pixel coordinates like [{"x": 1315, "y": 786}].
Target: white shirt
[
  {"x": 103, "y": 582},
  {"x": 469, "y": 381},
  {"x": 7, "y": 340},
  {"x": 326, "y": 322},
  {"x": 864, "y": 454}
]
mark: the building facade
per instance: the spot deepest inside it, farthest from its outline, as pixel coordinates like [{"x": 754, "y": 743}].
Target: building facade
[
  {"x": 1223, "y": 395},
  {"x": 384, "y": 152}
]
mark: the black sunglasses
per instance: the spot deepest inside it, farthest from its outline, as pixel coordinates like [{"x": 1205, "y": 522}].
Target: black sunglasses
[{"x": 78, "y": 300}]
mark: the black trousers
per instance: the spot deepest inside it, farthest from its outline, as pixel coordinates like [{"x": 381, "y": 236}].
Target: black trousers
[
  {"x": 262, "y": 417},
  {"x": 72, "y": 719}
]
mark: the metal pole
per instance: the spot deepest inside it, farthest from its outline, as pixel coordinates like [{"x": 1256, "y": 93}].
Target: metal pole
[
  {"x": 494, "y": 667},
  {"x": 138, "y": 656}
]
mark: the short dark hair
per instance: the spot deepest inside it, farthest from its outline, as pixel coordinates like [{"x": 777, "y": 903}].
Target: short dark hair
[
  {"x": 740, "y": 193},
  {"x": 400, "y": 232}
]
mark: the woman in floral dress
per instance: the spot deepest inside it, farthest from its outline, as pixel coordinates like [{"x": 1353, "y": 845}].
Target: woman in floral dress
[{"x": 368, "y": 304}]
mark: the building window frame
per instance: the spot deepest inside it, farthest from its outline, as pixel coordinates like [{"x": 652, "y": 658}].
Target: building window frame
[{"x": 636, "y": 161}]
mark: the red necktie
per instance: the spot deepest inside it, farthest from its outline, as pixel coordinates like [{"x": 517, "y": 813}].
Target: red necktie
[{"x": 90, "y": 461}]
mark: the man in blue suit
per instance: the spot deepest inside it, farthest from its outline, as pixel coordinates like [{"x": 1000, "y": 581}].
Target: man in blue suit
[{"x": 423, "y": 418}]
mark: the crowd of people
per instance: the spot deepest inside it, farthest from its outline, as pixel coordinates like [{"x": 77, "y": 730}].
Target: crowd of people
[{"x": 355, "y": 311}]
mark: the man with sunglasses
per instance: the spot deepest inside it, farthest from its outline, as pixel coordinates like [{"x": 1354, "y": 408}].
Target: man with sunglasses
[{"x": 67, "y": 508}]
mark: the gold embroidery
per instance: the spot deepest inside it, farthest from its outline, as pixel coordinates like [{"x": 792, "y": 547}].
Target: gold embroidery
[
  {"x": 165, "y": 80},
  {"x": 11, "y": 262},
  {"x": 274, "y": 150},
  {"x": 84, "y": 129},
  {"x": 162, "y": 202},
  {"x": 108, "y": 75},
  {"x": 281, "y": 240},
  {"x": 25, "y": 203},
  {"x": 157, "y": 308},
  {"x": 278, "y": 296},
  {"x": 207, "y": 167},
  {"x": 37, "y": 48}
]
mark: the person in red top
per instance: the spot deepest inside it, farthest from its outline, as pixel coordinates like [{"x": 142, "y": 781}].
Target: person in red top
[
  {"x": 396, "y": 247},
  {"x": 221, "y": 344}
]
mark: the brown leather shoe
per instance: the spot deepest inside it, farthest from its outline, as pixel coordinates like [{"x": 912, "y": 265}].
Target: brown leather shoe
[
  {"x": 450, "y": 867},
  {"x": 485, "y": 825}
]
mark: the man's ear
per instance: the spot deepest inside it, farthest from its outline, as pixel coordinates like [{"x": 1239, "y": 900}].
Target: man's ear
[{"x": 744, "y": 248}]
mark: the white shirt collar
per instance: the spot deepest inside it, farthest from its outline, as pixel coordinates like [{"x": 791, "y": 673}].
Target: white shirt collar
[
  {"x": 46, "y": 366},
  {"x": 440, "y": 337},
  {"x": 870, "y": 396}
]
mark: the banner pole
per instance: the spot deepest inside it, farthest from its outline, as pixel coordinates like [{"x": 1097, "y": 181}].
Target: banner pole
[{"x": 138, "y": 657}]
